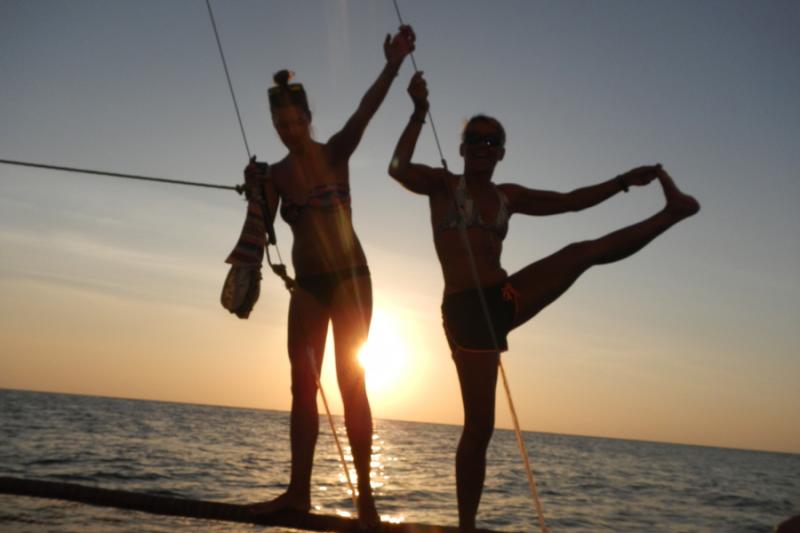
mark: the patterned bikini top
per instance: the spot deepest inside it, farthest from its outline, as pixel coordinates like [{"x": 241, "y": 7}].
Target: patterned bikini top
[
  {"x": 323, "y": 196},
  {"x": 471, "y": 213}
]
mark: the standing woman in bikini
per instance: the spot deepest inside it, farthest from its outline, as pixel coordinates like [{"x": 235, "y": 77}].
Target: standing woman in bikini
[
  {"x": 311, "y": 184},
  {"x": 515, "y": 299}
]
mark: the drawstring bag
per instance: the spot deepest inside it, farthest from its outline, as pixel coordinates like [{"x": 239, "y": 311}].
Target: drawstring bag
[
  {"x": 241, "y": 289},
  {"x": 242, "y": 284}
]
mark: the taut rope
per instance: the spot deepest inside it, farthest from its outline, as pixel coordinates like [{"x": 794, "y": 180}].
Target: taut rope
[
  {"x": 228, "y": 77},
  {"x": 237, "y": 188}
]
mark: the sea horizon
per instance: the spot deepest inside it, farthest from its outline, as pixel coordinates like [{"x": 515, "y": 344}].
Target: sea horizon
[{"x": 498, "y": 427}]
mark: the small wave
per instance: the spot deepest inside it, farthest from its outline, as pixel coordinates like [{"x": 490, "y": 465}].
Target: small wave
[
  {"x": 70, "y": 478},
  {"x": 9, "y": 518},
  {"x": 133, "y": 476},
  {"x": 735, "y": 501},
  {"x": 99, "y": 476},
  {"x": 50, "y": 461},
  {"x": 169, "y": 493}
]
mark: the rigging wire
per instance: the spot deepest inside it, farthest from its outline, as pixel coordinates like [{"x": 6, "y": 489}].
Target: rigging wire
[
  {"x": 430, "y": 115},
  {"x": 280, "y": 268},
  {"x": 237, "y": 188},
  {"x": 228, "y": 77},
  {"x": 487, "y": 316}
]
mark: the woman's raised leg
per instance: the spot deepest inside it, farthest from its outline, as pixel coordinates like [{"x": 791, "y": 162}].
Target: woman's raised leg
[{"x": 542, "y": 282}]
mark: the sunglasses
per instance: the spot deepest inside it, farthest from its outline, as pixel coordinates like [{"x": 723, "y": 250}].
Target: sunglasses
[
  {"x": 492, "y": 140},
  {"x": 295, "y": 93}
]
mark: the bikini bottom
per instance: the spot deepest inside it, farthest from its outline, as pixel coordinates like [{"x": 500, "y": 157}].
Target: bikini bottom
[
  {"x": 323, "y": 286},
  {"x": 465, "y": 322}
]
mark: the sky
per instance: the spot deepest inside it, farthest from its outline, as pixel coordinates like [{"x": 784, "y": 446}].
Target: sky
[{"x": 111, "y": 287}]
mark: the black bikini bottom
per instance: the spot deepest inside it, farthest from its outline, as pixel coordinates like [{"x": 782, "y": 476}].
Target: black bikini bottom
[
  {"x": 465, "y": 321},
  {"x": 323, "y": 286}
]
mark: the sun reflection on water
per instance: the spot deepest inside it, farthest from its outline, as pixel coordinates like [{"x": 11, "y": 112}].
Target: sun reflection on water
[{"x": 379, "y": 481}]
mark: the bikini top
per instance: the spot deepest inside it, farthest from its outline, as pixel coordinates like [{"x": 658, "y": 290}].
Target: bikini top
[
  {"x": 471, "y": 213},
  {"x": 327, "y": 195}
]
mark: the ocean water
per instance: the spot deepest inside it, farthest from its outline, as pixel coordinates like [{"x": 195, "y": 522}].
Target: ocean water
[{"x": 241, "y": 455}]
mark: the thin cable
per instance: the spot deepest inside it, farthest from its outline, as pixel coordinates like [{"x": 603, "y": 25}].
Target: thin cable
[
  {"x": 430, "y": 115},
  {"x": 120, "y": 175},
  {"x": 282, "y": 269},
  {"x": 487, "y": 316},
  {"x": 228, "y": 76},
  {"x": 310, "y": 352}
]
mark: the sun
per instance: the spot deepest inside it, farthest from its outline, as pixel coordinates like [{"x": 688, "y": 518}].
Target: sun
[{"x": 385, "y": 354}]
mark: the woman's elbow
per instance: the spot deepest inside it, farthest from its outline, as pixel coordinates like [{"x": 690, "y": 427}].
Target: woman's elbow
[{"x": 396, "y": 169}]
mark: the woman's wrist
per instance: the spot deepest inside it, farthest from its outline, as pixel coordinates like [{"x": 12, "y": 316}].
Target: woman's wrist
[
  {"x": 393, "y": 66},
  {"x": 623, "y": 184},
  {"x": 419, "y": 115}
]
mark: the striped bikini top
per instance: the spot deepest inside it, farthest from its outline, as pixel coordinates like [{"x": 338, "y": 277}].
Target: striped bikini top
[
  {"x": 471, "y": 213},
  {"x": 322, "y": 196}
]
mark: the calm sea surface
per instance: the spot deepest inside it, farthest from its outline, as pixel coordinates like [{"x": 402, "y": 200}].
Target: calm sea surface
[{"x": 241, "y": 455}]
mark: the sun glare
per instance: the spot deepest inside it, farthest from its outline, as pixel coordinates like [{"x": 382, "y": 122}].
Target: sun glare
[{"x": 385, "y": 354}]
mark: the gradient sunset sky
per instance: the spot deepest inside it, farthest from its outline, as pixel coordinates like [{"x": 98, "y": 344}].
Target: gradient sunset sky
[{"x": 112, "y": 287}]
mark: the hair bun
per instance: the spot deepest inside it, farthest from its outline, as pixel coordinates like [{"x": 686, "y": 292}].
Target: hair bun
[{"x": 282, "y": 77}]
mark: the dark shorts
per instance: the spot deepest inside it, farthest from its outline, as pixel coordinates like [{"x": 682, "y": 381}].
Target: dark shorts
[
  {"x": 323, "y": 286},
  {"x": 465, "y": 322}
]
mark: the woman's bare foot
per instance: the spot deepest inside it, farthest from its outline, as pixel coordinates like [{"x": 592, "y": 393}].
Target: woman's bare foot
[
  {"x": 368, "y": 517},
  {"x": 679, "y": 203},
  {"x": 284, "y": 502}
]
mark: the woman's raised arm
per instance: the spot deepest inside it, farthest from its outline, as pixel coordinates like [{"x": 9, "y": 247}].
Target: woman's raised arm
[
  {"x": 343, "y": 143},
  {"x": 414, "y": 177},
  {"x": 535, "y": 202}
]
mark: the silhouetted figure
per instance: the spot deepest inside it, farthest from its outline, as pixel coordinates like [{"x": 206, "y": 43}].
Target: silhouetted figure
[
  {"x": 333, "y": 283},
  {"x": 484, "y": 209},
  {"x": 790, "y": 525}
]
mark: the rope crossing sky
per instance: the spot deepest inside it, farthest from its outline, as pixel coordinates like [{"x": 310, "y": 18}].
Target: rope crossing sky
[
  {"x": 237, "y": 188},
  {"x": 228, "y": 77}
]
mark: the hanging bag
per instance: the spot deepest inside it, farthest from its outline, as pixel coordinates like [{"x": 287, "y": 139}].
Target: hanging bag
[{"x": 241, "y": 288}]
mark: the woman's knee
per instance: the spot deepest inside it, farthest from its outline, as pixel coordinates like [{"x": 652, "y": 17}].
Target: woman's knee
[
  {"x": 353, "y": 388},
  {"x": 577, "y": 257},
  {"x": 304, "y": 391},
  {"x": 577, "y": 250},
  {"x": 478, "y": 430}
]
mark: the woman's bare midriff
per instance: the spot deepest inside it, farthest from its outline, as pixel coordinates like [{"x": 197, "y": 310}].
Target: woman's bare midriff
[
  {"x": 324, "y": 241},
  {"x": 324, "y": 238},
  {"x": 454, "y": 259}
]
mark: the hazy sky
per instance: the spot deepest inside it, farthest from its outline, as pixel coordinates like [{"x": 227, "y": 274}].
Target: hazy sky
[{"x": 112, "y": 287}]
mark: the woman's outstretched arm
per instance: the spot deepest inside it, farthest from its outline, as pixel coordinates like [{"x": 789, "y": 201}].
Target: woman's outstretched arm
[
  {"x": 414, "y": 177},
  {"x": 344, "y": 142},
  {"x": 535, "y": 202}
]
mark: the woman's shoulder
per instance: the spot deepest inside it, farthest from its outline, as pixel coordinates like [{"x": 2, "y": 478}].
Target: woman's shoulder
[
  {"x": 332, "y": 154},
  {"x": 443, "y": 185},
  {"x": 278, "y": 169},
  {"x": 280, "y": 165},
  {"x": 443, "y": 177}
]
